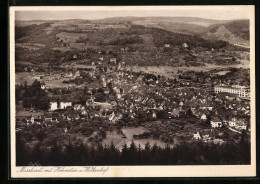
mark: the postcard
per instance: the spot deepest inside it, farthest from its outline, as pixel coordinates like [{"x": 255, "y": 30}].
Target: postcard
[{"x": 132, "y": 91}]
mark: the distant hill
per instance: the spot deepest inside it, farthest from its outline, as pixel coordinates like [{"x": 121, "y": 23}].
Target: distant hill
[
  {"x": 231, "y": 31},
  {"x": 186, "y": 25},
  {"x": 234, "y": 32},
  {"x": 153, "y": 20}
]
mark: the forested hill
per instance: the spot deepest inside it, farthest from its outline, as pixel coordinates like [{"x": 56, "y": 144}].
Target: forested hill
[
  {"x": 235, "y": 32},
  {"x": 57, "y": 41}
]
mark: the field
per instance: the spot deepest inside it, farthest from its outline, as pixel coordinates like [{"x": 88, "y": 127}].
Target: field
[
  {"x": 118, "y": 139},
  {"x": 114, "y": 137},
  {"x": 30, "y": 46},
  {"x": 129, "y": 132},
  {"x": 222, "y": 72},
  {"x": 76, "y": 65},
  {"x": 29, "y": 113},
  {"x": 172, "y": 71},
  {"x": 21, "y": 77}
]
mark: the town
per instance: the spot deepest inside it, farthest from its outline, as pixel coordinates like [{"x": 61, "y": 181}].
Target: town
[{"x": 164, "y": 108}]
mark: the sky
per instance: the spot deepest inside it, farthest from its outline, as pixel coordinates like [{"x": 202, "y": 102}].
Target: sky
[{"x": 61, "y": 13}]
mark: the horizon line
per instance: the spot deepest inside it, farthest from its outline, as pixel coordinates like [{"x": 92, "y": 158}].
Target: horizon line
[{"x": 219, "y": 20}]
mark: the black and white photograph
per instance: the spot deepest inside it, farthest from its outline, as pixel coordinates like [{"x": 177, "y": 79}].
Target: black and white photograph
[{"x": 132, "y": 91}]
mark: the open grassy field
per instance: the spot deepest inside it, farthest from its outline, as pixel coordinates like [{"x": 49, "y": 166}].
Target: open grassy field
[
  {"x": 76, "y": 65},
  {"x": 30, "y": 46},
  {"x": 222, "y": 72},
  {"x": 118, "y": 139},
  {"x": 29, "y": 113},
  {"x": 168, "y": 71},
  {"x": 129, "y": 132},
  {"x": 21, "y": 77},
  {"x": 113, "y": 136}
]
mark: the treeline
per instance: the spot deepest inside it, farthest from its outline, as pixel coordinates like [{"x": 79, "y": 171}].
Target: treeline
[
  {"x": 126, "y": 41},
  {"x": 183, "y": 154},
  {"x": 30, "y": 30},
  {"x": 239, "y": 28},
  {"x": 32, "y": 96},
  {"x": 160, "y": 37}
]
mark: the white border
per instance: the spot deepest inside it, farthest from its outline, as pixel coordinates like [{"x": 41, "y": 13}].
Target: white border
[{"x": 138, "y": 171}]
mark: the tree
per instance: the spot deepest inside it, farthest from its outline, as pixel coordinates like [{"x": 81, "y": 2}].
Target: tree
[
  {"x": 26, "y": 103},
  {"x": 25, "y": 84},
  {"x": 243, "y": 136},
  {"x": 40, "y": 133},
  {"x": 58, "y": 103},
  {"x": 124, "y": 154},
  {"x": 147, "y": 146},
  {"x": 34, "y": 96},
  {"x": 36, "y": 84},
  {"x": 100, "y": 90},
  {"x": 21, "y": 153},
  {"x": 189, "y": 113},
  {"x": 43, "y": 103}
]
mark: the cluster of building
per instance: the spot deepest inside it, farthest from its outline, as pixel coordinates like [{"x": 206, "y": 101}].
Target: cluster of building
[
  {"x": 241, "y": 91},
  {"x": 134, "y": 95}
]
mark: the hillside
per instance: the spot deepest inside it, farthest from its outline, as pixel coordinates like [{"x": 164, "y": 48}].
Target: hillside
[
  {"x": 186, "y": 25},
  {"x": 234, "y": 32},
  {"x": 157, "y": 20},
  {"x": 57, "y": 41}
]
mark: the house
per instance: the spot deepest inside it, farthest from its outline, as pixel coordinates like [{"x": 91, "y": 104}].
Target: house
[
  {"x": 53, "y": 106},
  {"x": 118, "y": 96},
  {"x": 112, "y": 117},
  {"x": 216, "y": 122},
  {"x": 77, "y": 74},
  {"x": 84, "y": 112},
  {"x": 203, "y": 117},
  {"x": 181, "y": 105},
  {"x": 132, "y": 115},
  {"x": 65, "y": 130},
  {"x": 167, "y": 46},
  {"x": 48, "y": 117},
  {"x": 153, "y": 114},
  {"x": 104, "y": 84},
  {"x": 75, "y": 56},
  {"x": 70, "y": 117},
  {"x": 69, "y": 75},
  {"x": 106, "y": 91},
  {"x": 206, "y": 138},
  {"x": 185, "y": 45},
  {"x": 78, "y": 107},
  {"x": 54, "y": 118},
  {"x": 60, "y": 105},
  {"x": 197, "y": 136},
  {"x": 36, "y": 119},
  {"x": 64, "y": 105},
  {"x": 241, "y": 125},
  {"x": 77, "y": 117},
  {"x": 218, "y": 141},
  {"x": 232, "y": 122},
  {"x": 30, "y": 119},
  {"x": 175, "y": 112},
  {"x": 43, "y": 85},
  {"x": 113, "y": 60},
  {"x": 237, "y": 123}
]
